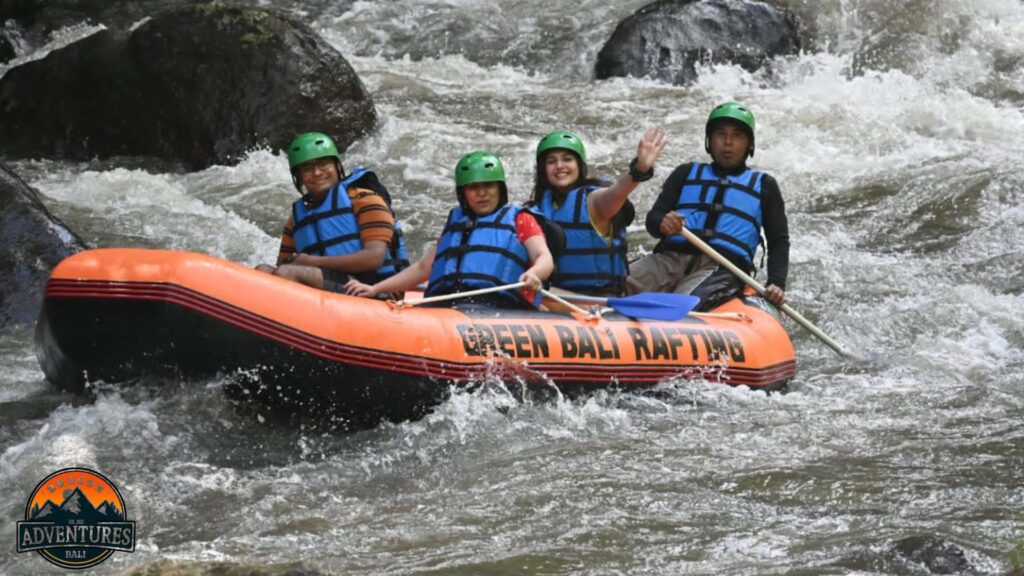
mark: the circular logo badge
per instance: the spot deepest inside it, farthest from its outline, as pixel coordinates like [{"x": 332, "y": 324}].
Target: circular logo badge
[{"x": 76, "y": 518}]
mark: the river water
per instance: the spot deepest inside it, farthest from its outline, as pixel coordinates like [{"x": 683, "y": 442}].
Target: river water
[{"x": 896, "y": 140}]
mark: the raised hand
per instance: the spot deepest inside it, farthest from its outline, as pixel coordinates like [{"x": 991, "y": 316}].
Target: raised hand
[{"x": 650, "y": 147}]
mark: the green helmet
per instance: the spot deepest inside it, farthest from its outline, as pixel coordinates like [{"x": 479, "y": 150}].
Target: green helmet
[
  {"x": 730, "y": 111},
  {"x": 565, "y": 140},
  {"x": 310, "y": 146},
  {"x": 478, "y": 167}
]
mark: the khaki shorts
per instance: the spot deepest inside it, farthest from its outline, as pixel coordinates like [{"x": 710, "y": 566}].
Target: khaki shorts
[
  {"x": 680, "y": 273},
  {"x": 334, "y": 280},
  {"x": 669, "y": 272}
]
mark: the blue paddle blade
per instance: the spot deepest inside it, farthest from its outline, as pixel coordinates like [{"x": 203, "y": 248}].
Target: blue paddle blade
[{"x": 655, "y": 305}]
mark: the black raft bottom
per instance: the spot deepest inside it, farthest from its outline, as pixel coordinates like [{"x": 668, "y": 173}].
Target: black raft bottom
[
  {"x": 291, "y": 376},
  {"x": 83, "y": 340}
]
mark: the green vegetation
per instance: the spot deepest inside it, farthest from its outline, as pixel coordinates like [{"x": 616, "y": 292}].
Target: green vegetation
[{"x": 228, "y": 16}]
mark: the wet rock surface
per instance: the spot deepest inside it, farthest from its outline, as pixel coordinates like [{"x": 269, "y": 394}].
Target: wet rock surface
[
  {"x": 32, "y": 242},
  {"x": 200, "y": 84},
  {"x": 667, "y": 39}
]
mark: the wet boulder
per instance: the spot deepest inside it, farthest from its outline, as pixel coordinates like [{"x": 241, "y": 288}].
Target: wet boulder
[
  {"x": 32, "y": 242},
  {"x": 18, "y": 8},
  {"x": 198, "y": 84},
  {"x": 233, "y": 78},
  {"x": 79, "y": 102},
  {"x": 42, "y": 17},
  {"x": 935, "y": 554},
  {"x": 667, "y": 39}
]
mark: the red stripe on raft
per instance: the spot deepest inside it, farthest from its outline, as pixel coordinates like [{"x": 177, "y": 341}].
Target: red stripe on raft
[{"x": 404, "y": 363}]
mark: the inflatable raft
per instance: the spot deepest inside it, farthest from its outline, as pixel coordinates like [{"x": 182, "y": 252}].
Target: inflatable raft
[{"x": 116, "y": 314}]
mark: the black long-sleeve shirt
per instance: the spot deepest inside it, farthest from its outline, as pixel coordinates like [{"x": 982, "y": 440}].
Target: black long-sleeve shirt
[{"x": 773, "y": 210}]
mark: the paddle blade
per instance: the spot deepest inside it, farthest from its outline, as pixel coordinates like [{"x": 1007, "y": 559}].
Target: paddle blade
[{"x": 655, "y": 305}]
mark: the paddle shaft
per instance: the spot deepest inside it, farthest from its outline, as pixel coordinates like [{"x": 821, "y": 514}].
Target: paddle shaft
[
  {"x": 457, "y": 295},
  {"x": 723, "y": 315},
  {"x": 582, "y": 298},
  {"x": 714, "y": 255},
  {"x": 564, "y": 302},
  {"x": 645, "y": 306}
]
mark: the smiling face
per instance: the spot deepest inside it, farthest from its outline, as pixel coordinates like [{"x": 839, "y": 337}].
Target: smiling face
[
  {"x": 318, "y": 176},
  {"x": 562, "y": 169},
  {"x": 483, "y": 197},
  {"x": 729, "y": 143}
]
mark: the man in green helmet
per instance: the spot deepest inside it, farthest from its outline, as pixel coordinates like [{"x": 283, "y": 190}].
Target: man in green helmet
[
  {"x": 726, "y": 204},
  {"x": 342, "y": 227}
]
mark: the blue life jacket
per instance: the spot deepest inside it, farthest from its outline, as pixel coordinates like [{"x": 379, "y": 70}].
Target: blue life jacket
[
  {"x": 725, "y": 211},
  {"x": 480, "y": 252},
  {"x": 588, "y": 263},
  {"x": 332, "y": 229}
]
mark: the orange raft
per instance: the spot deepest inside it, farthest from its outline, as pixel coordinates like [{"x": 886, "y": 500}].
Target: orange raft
[{"x": 117, "y": 314}]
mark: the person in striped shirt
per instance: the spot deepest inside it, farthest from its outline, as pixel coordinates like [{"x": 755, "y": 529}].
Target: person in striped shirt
[{"x": 342, "y": 228}]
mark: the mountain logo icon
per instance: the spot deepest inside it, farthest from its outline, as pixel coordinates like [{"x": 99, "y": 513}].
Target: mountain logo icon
[{"x": 75, "y": 518}]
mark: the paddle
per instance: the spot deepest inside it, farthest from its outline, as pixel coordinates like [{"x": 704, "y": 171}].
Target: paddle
[
  {"x": 645, "y": 306},
  {"x": 467, "y": 294},
  {"x": 714, "y": 255}
]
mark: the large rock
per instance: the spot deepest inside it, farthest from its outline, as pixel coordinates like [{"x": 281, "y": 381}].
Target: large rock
[
  {"x": 200, "y": 84},
  {"x": 32, "y": 242},
  {"x": 81, "y": 101},
  {"x": 39, "y": 19},
  {"x": 42, "y": 17},
  {"x": 932, "y": 552},
  {"x": 45, "y": 16},
  {"x": 18, "y": 8},
  {"x": 667, "y": 39}
]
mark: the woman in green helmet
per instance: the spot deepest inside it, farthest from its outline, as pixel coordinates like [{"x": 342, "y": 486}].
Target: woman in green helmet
[
  {"x": 342, "y": 227},
  {"x": 593, "y": 214},
  {"x": 485, "y": 243},
  {"x": 727, "y": 205}
]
